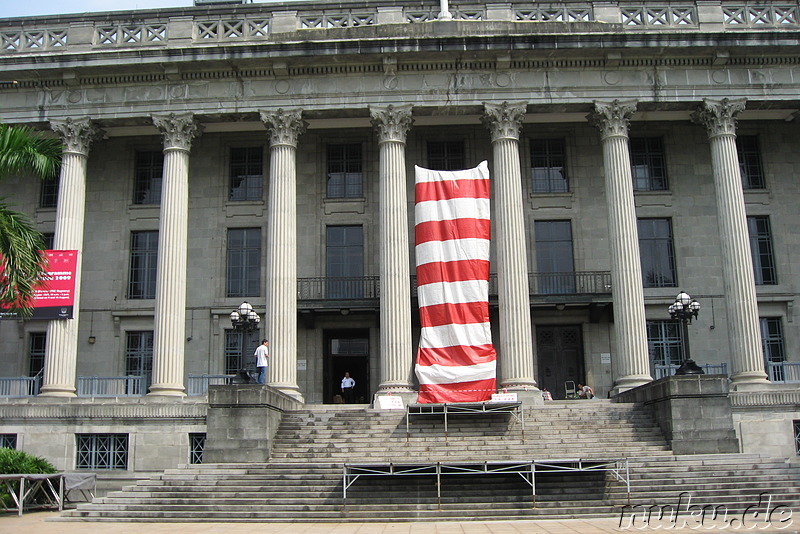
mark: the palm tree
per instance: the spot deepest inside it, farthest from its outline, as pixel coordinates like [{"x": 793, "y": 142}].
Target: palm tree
[{"x": 22, "y": 262}]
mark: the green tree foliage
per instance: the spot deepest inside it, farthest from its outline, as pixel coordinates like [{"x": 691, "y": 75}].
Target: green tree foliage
[
  {"x": 14, "y": 462},
  {"x": 22, "y": 263}
]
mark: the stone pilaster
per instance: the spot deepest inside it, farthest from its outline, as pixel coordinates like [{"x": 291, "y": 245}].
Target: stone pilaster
[
  {"x": 719, "y": 118},
  {"x": 169, "y": 335},
  {"x": 391, "y": 124},
  {"x": 516, "y": 339},
  {"x": 284, "y": 126},
  {"x": 632, "y": 360},
  {"x": 61, "y": 350}
]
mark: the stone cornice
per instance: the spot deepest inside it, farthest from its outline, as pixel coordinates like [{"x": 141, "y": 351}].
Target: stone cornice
[{"x": 98, "y": 410}]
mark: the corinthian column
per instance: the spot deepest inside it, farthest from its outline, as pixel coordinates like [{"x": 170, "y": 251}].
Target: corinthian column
[
  {"x": 719, "y": 118},
  {"x": 391, "y": 124},
  {"x": 284, "y": 127},
  {"x": 169, "y": 337},
  {"x": 633, "y": 362},
  {"x": 516, "y": 340},
  {"x": 61, "y": 349}
]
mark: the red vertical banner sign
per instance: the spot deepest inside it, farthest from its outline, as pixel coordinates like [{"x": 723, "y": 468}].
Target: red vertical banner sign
[
  {"x": 54, "y": 298},
  {"x": 456, "y": 360}
]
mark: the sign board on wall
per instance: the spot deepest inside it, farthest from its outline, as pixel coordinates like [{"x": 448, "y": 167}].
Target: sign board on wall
[{"x": 55, "y": 297}]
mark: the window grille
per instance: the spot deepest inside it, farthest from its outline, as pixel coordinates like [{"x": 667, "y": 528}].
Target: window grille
[
  {"x": 345, "y": 177},
  {"x": 139, "y": 359},
  {"x": 797, "y": 436},
  {"x": 750, "y": 162},
  {"x": 773, "y": 347},
  {"x": 36, "y": 349},
  {"x": 148, "y": 176},
  {"x": 446, "y": 155},
  {"x": 102, "y": 451},
  {"x": 665, "y": 343},
  {"x": 657, "y": 252},
  {"x": 8, "y": 441},
  {"x": 548, "y": 166},
  {"x": 197, "y": 444},
  {"x": 48, "y": 192},
  {"x": 648, "y": 164},
  {"x": 49, "y": 238},
  {"x": 143, "y": 266},
  {"x": 247, "y": 174},
  {"x": 244, "y": 262},
  {"x": 554, "y": 257},
  {"x": 239, "y": 349},
  {"x": 761, "y": 250}
]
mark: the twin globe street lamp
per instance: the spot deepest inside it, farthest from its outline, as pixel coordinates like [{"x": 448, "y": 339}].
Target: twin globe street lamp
[
  {"x": 685, "y": 308},
  {"x": 245, "y": 320}
]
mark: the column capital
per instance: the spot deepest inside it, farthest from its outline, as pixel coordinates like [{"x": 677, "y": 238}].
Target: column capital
[
  {"x": 285, "y": 126},
  {"x": 77, "y": 134},
  {"x": 178, "y": 130},
  {"x": 503, "y": 120},
  {"x": 391, "y": 123},
  {"x": 612, "y": 118},
  {"x": 719, "y": 116}
]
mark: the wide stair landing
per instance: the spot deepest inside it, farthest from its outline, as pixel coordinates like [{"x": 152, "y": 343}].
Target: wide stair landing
[{"x": 303, "y": 479}]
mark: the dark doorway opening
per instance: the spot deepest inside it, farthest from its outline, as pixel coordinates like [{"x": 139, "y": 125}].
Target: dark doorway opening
[
  {"x": 560, "y": 355},
  {"x": 346, "y": 351}
]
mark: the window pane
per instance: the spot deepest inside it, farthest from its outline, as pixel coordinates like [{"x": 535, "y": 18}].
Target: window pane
[
  {"x": 446, "y": 155},
  {"x": 143, "y": 266},
  {"x": 148, "y": 173},
  {"x": 345, "y": 262},
  {"x": 554, "y": 258},
  {"x": 239, "y": 349},
  {"x": 37, "y": 342},
  {"x": 244, "y": 262},
  {"x": 647, "y": 164},
  {"x": 657, "y": 254},
  {"x": 762, "y": 251},
  {"x": 101, "y": 451},
  {"x": 548, "y": 166},
  {"x": 665, "y": 346},
  {"x": 48, "y": 192},
  {"x": 246, "y": 174},
  {"x": 345, "y": 171},
  {"x": 750, "y": 162},
  {"x": 139, "y": 358},
  {"x": 772, "y": 345}
]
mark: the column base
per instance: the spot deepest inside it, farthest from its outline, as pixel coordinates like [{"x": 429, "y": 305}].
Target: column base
[
  {"x": 749, "y": 381},
  {"x": 167, "y": 391},
  {"x": 57, "y": 391},
  {"x": 409, "y": 396},
  {"x": 625, "y": 383},
  {"x": 290, "y": 390}
]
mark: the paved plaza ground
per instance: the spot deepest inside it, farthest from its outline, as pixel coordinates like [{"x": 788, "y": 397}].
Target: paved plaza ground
[{"x": 38, "y": 523}]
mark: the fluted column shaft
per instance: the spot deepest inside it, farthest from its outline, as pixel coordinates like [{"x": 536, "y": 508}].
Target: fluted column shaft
[
  {"x": 516, "y": 339},
  {"x": 61, "y": 349},
  {"x": 632, "y": 361},
  {"x": 169, "y": 335},
  {"x": 741, "y": 304},
  {"x": 397, "y": 357},
  {"x": 285, "y": 126}
]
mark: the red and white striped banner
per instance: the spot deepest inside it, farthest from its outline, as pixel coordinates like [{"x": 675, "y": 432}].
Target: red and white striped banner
[{"x": 456, "y": 360}]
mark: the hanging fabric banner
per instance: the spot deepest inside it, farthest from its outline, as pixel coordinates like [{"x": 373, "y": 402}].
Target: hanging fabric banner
[
  {"x": 456, "y": 361},
  {"x": 55, "y": 296}
]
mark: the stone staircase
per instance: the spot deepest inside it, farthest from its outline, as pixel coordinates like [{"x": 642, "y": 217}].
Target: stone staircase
[{"x": 303, "y": 481}]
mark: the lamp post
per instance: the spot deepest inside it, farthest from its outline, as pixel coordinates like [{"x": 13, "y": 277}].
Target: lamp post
[
  {"x": 245, "y": 320},
  {"x": 684, "y": 309}
]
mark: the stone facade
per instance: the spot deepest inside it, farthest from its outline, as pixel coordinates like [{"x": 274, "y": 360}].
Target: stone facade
[{"x": 232, "y": 75}]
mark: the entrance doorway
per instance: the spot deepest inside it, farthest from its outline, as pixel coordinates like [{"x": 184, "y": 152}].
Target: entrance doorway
[
  {"x": 560, "y": 354},
  {"x": 346, "y": 351}
]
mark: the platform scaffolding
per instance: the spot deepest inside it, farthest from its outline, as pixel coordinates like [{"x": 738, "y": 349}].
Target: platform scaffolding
[
  {"x": 446, "y": 410},
  {"x": 528, "y": 470}
]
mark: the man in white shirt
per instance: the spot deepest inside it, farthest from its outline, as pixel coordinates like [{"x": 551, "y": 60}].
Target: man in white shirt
[
  {"x": 262, "y": 355},
  {"x": 347, "y": 388}
]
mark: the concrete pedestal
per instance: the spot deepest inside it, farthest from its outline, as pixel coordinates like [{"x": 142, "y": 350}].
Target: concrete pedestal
[{"x": 693, "y": 411}]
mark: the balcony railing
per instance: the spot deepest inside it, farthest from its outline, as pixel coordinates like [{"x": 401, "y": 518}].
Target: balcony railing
[
  {"x": 574, "y": 283},
  {"x": 111, "y": 386},
  {"x": 784, "y": 372},
  {"x": 197, "y": 385},
  {"x": 338, "y": 288},
  {"x": 662, "y": 371},
  {"x": 19, "y": 386}
]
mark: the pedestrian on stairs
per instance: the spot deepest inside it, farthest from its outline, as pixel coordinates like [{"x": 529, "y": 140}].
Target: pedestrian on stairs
[
  {"x": 585, "y": 392},
  {"x": 262, "y": 355},
  {"x": 347, "y": 388}
]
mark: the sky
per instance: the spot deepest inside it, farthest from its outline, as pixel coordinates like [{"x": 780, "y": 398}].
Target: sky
[{"x": 27, "y": 8}]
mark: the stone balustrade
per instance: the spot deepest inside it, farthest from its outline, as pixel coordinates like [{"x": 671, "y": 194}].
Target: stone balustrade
[{"x": 252, "y": 23}]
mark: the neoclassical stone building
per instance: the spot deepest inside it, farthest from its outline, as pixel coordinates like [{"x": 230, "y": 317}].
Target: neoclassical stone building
[{"x": 265, "y": 153}]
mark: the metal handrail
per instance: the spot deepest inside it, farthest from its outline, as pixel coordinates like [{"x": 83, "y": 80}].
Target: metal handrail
[
  {"x": 665, "y": 370},
  {"x": 111, "y": 386},
  {"x": 197, "y": 385},
  {"x": 19, "y": 386},
  {"x": 784, "y": 372}
]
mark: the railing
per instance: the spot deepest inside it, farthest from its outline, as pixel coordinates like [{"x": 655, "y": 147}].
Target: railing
[
  {"x": 574, "y": 283},
  {"x": 197, "y": 385},
  {"x": 19, "y": 386},
  {"x": 111, "y": 386},
  {"x": 254, "y": 24},
  {"x": 338, "y": 288},
  {"x": 663, "y": 371},
  {"x": 784, "y": 372}
]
